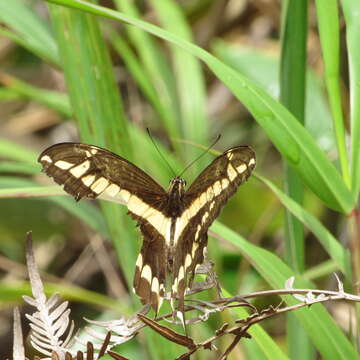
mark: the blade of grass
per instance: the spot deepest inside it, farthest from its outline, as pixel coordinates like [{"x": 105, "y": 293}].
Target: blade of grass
[
  {"x": 351, "y": 11},
  {"x": 332, "y": 344},
  {"x": 189, "y": 79},
  {"x": 97, "y": 107},
  {"x": 329, "y": 29},
  {"x": 157, "y": 69},
  {"x": 85, "y": 211},
  {"x": 290, "y": 137},
  {"x": 10, "y": 150},
  {"x": 18, "y": 167},
  {"x": 52, "y": 99},
  {"x": 264, "y": 69},
  {"x": 139, "y": 74},
  {"x": 270, "y": 350},
  {"x": 336, "y": 251},
  {"x": 292, "y": 95},
  {"x": 29, "y": 30},
  {"x": 323, "y": 269},
  {"x": 13, "y": 292}
]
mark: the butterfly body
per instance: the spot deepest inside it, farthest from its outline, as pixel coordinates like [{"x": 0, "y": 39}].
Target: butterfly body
[{"x": 173, "y": 223}]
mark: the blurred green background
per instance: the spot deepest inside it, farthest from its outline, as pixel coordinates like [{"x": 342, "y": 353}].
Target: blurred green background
[{"x": 66, "y": 75}]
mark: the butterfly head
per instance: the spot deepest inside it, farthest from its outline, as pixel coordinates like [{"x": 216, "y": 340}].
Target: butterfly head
[{"x": 176, "y": 188}]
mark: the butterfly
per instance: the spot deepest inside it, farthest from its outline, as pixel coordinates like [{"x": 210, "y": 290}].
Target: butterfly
[{"x": 173, "y": 222}]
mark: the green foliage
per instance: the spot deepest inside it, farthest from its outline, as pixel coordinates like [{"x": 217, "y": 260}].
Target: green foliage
[{"x": 175, "y": 88}]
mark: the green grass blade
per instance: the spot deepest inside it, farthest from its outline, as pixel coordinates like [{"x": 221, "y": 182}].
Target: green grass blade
[
  {"x": 264, "y": 69},
  {"x": 140, "y": 75},
  {"x": 52, "y": 99},
  {"x": 10, "y": 150},
  {"x": 16, "y": 187},
  {"x": 90, "y": 80},
  {"x": 325, "y": 268},
  {"x": 29, "y": 30},
  {"x": 157, "y": 69},
  {"x": 332, "y": 344},
  {"x": 332, "y": 246},
  {"x": 292, "y": 95},
  {"x": 189, "y": 79},
  {"x": 13, "y": 292},
  {"x": 328, "y": 20},
  {"x": 18, "y": 167},
  {"x": 269, "y": 349},
  {"x": 290, "y": 137},
  {"x": 97, "y": 107},
  {"x": 351, "y": 11}
]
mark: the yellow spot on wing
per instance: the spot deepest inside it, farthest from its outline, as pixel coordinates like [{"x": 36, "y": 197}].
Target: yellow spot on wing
[
  {"x": 46, "y": 158},
  {"x": 137, "y": 206},
  {"x": 155, "y": 285},
  {"x": 188, "y": 261},
  {"x": 252, "y": 161},
  {"x": 81, "y": 169},
  {"x": 88, "y": 180},
  {"x": 112, "y": 190},
  {"x": 229, "y": 155},
  {"x": 63, "y": 165},
  {"x": 231, "y": 172},
  {"x": 217, "y": 188},
  {"x": 139, "y": 261},
  {"x": 125, "y": 195},
  {"x": 204, "y": 218},
  {"x": 99, "y": 185},
  {"x": 194, "y": 248},
  {"x": 240, "y": 169},
  {"x": 225, "y": 183},
  {"x": 146, "y": 273}
]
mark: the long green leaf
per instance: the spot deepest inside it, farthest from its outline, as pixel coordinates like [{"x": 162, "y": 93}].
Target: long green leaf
[
  {"x": 269, "y": 349},
  {"x": 340, "y": 255},
  {"x": 189, "y": 79},
  {"x": 96, "y": 105},
  {"x": 290, "y": 137},
  {"x": 263, "y": 68},
  {"x": 328, "y": 20},
  {"x": 292, "y": 96},
  {"x": 16, "y": 187},
  {"x": 157, "y": 69},
  {"x": 351, "y": 11},
  {"x": 52, "y": 99},
  {"x": 332, "y": 343},
  {"x": 10, "y": 293},
  {"x": 29, "y": 30},
  {"x": 13, "y": 151}
]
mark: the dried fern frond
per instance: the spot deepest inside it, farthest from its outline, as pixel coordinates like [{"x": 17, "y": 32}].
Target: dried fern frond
[
  {"x": 50, "y": 323},
  {"x": 18, "y": 346},
  {"x": 122, "y": 329}
]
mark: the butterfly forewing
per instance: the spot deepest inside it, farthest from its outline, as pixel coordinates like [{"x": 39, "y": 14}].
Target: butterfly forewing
[{"x": 90, "y": 171}]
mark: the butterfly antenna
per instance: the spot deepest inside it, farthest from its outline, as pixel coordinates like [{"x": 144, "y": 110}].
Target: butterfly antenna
[
  {"x": 161, "y": 155},
  {"x": 201, "y": 155}
]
